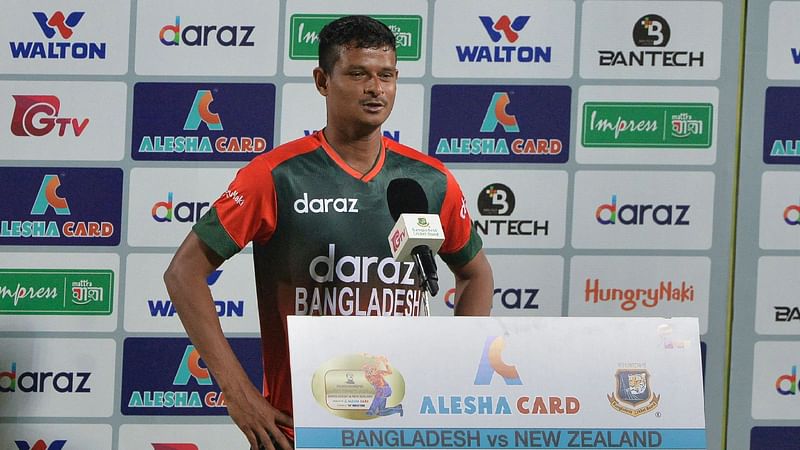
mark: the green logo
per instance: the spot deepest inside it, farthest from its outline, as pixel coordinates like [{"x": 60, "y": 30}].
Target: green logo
[
  {"x": 655, "y": 125},
  {"x": 305, "y": 28},
  {"x": 423, "y": 222},
  {"x": 56, "y": 291}
]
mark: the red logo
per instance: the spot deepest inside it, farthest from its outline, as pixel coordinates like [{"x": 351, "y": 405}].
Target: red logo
[
  {"x": 37, "y": 115},
  {"x": 397, "y": 239}
]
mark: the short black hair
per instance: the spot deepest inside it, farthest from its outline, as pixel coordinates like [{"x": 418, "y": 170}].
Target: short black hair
[{"x": 354, "y": 32}]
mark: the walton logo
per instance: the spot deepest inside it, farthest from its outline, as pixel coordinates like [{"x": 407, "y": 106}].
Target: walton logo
[
  {"x": 61, "y": 25},
  {"x": 41, "y": 445},
  {"x": 496, "y": 114},
  {"x": 200, "y": 35},
  {"x": 504, "y": 27},
  {"x": 200, "y": 112},
  {"x": 651, "y": 31},
  {"x": 47, "y": 197},
  {"x": 174, "y": 446},
  {"x": 628, "y": 214},
  {"x": 791, "y": 215},
  {"x": 492, "y": 361},
  {"x": 37, "y": 115}
]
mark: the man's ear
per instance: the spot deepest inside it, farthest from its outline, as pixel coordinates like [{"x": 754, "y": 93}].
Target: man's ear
[{"x": 320, "y": 81}]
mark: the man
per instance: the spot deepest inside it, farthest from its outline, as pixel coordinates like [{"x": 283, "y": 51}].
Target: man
[{"x": 316, "y": 212}]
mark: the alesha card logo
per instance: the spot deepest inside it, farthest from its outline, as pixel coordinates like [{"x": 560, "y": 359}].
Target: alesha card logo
[
  {"x": 359, "y": 387},
  {"x": 492, "y": 363}
]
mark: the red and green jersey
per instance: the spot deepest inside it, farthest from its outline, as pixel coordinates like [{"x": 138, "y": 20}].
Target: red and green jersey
[{"x": 319, "y": 231}]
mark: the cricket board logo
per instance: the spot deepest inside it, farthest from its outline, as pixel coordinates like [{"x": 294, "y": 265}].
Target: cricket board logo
[{"x": 633, "y": 395}]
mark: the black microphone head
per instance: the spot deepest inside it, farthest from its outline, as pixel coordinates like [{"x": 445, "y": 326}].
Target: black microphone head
[{"x": 405, "y": 195}]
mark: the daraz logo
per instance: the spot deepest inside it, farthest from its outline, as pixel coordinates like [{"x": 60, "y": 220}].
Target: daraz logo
[
  {"x": 650, "y": 125},
  {"x": 305, "y": 28},
  {"x": 41, "y": 445}
]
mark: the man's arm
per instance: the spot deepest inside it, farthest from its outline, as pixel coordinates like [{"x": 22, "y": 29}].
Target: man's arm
[
  {"x": 474, "y": 287},
  {"x": 186, "y": 283}
]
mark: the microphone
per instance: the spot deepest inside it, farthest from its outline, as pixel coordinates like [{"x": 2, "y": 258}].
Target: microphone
[{"x": 416, "y": 235}]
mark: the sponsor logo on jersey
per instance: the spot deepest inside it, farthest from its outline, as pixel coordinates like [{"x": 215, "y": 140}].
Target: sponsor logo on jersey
[
  {"x": 31, "y": 381},
  {"x": 643, "y": 214},
  {"x": 56, "y": 291},
  {"x": 206, "y": 35},
  {"x": 38, "y": 115},
  {"x": 649, "y": 125},
  {"x": 651, "y": 33},
  {"x": 69, "y": 206},
  {"x": 306, "y": 205},
  {"x": 500, "y": 123},
  {"x": 184, "y": 386},
  {"x": 504, "y": 34},
  {"x": 498, "y": 201},
  {"x": 59, "y": 29},
  {"x": 41, "y": 445},
  {"x": 213, "y": 125},
  {"x": 305, "y": 28},
  {"x": 633, "y": 394},
  {"x": 629, "y": 298}
]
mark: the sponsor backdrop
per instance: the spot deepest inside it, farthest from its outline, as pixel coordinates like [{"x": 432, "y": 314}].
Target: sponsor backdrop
[{"x": 596, "y": 142}]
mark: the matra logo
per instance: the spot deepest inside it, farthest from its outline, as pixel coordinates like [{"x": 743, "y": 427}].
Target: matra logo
[
  {"x": 307, "y": 205},
  {"x": 627, "y": 214},
  {"x": 37, "y": 115},
  {"x": 202, "y": 35},
  {"x": 41, "y": 445}
]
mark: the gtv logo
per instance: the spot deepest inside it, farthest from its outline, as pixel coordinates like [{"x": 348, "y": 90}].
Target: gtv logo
[
  {"x": 492, "y": 362},
  {"x": 643, "y": 214}
]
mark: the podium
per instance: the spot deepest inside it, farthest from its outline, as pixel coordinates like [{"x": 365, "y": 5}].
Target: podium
[{"x": 486, "y": 382}]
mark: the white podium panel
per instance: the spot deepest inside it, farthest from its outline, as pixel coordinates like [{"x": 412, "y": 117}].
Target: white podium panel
[{"x": 485, "y": 382}]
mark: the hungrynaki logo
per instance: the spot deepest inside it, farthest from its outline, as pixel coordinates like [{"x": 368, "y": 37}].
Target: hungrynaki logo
[
  {"x": 485, "y": 403},
  {"x": 183, "y": 212},
  {"x": 208, "y": 123},
  {"x": 504, "y": 32},
  {"x": 633, "y": 395},
  {"x": 643, "y": 214},
  {"x": 43, "y": 382},
  {"x": 498, "y": 200},
  {"x": 651, "y": 31},
  {"x": 206, "y": 35},
  {"x": 174, "y": 446},
  {"x": 67, "y": 207},
  {"x": 629, "y": 299},
  {"x": 38, "y": 115},
  {"x": 41, "y": 445},
  {"x": 511, "y": 129},
  {"x": 225, "y": 308},
  {"x": 181, "y": 385},
  {"x": 305, "y": 28},
  {"x": 59, "y": 29}
]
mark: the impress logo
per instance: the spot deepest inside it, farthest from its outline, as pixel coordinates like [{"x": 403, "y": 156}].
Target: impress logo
[
  {"x": 305, "y": 28},
  {"x": 58, "y": 25},
  {"x": 195, "y": 129},
  {"x": 652, "y": 31},
  {"x": 503, "y": 29},
  {"x": 37, "y": 115},
  {"x": 184, "y": 386},
  {"x": 510, "y": 130},
  {"x": 204, "y": 35},
  {"x": 56, "y": 291},
  {"x": 71, "y": 206},
  {"x": 647, "y": 125},
  {"x": 41, "y": 445},
  {"x": 643, "y": 214}
]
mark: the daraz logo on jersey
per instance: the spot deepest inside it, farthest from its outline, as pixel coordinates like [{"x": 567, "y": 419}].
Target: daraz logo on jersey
[
  {"x": 206, "y": 122},
  {"x": 500, "y": 123},
  {"x": 70, "y": 206}
]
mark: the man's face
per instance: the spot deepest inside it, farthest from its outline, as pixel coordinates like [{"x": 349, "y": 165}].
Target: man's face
[{"x": 361, "y": 88}]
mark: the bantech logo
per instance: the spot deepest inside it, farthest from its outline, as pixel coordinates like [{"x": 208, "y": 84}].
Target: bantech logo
[
  {"x": 64, "y": 206},
  {"x": 61, "y": 29},
  {"x": 40, "y": 444},
  {"x": 504, "y": 33},
  {"x": 647, "y": 125},
  {"x": 207, "y": 121},
  {"x": 182, "y": 385},
  {"x": 500, "y": 123},
  {"x": 642, "y": 214},
  {"x": 652, "y": 32},
  {"x": 305, "y": 28},
  {"x": 38, "y": 115},
  {"x": 56, "y": 291},
  {"x": 205, "y": 35},
  {"x": 499, "y": 200}
]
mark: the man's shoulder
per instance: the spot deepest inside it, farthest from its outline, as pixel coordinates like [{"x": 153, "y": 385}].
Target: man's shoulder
[
  {"x": 287, "y": 151},
  {"x": 413, "y": 154}
]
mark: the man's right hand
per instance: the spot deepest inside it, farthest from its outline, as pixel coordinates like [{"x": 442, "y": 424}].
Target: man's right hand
[{"x": 258, "y": 419}]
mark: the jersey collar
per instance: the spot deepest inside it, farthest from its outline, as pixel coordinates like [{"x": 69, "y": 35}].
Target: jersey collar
[{"x": 367, "y": 177}]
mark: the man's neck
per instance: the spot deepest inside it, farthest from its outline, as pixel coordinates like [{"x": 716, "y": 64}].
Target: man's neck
[{"x": 358, "y": 151}]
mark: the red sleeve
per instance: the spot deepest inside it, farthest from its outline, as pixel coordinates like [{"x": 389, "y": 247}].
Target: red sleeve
[
  {"x": 248, "y": 209},
  {"x": 455, "y": 217}
]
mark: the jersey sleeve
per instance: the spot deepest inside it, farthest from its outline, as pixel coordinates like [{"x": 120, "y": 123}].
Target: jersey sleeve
[
  {"x": 461, "y": 241},
  {"x": 245, "y": 212}
]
